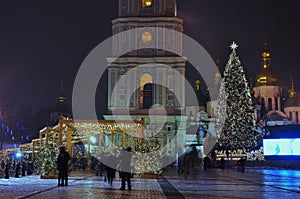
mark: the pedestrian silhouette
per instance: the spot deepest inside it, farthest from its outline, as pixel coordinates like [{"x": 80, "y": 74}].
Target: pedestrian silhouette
[
  {"x": 241, "y": 164},
  {"x": 110, "y": 170},
  {"x": 181, "y": 166},
  {"x": 125, "y": 161},
  {"x": 62, "y": 166},
  {"x": 23, "y": 168},
  {"x": 222, "y": 163},
  {"x": 206, "y": 163},
  {"x": 17, "y": 170},
  {"x": 6, "y": 169}
]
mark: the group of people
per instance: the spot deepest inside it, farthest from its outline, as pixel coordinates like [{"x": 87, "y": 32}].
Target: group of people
[
  {"x": 19, "y": 167},
  {"x": 123, "y": 163}
]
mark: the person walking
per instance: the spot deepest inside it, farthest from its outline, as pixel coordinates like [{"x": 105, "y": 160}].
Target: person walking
[
  {"x": 206, "y": 164},
  {"x": 241, "y": 164},
  {"x": 17, "y": 170},
  {"x": 6, "y": 171},
  {"x": 62, "y": 162},
  {"x": 125, "y": 163},
  {"x": 180, "y": 169},
  {"x": 222, "y": 163},
  {"x": 110, "y": 169}
]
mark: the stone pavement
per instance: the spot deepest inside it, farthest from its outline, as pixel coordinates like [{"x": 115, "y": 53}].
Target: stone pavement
[{"x": 215, "y": 183}]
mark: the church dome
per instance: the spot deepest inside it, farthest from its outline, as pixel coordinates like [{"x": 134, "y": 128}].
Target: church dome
[
  {"x": 266, "y": 78},
  {"x": 293, "y": 101}
]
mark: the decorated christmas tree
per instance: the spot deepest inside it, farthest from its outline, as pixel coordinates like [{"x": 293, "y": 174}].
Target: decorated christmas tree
[
  {"x": 148, "y": 158},
  {"x": 235, "y": 114},
  {"x": 45, "y": 162}
]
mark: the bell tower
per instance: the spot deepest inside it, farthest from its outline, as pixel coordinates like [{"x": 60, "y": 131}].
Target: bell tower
[
  {"x": 267, "y": 88},
  {"x": 141, "y": 37},
  {"x": 144, "y": 19}
]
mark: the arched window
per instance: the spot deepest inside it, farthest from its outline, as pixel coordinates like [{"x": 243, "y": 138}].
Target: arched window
[
  {"x": 269, "y": 104},
  {"x": 276, "y": 104},
  {"x": 147, "y": 96},
  {"x": 147, "y": 3},
  {"x": 291, "y": 115},
  {"x": 297, "y": 117},
  {"x": 146, "y": 87}
]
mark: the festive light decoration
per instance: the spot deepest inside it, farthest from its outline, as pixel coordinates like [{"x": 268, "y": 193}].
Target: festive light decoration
[
  {"x": 46, "y": 159},
  {"x": 235, "y": 120},
  {"x": 148, "y": 158}
]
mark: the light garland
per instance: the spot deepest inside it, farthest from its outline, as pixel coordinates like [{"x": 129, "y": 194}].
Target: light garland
[{"x": 235, "y": 120}]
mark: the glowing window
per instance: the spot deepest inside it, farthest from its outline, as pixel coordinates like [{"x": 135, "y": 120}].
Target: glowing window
[{"x": 146, "y": 3}]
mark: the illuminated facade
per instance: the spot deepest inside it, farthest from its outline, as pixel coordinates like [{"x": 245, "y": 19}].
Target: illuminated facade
[
  {"x": 142, "y": 89},
  {"x": 267, "y": 89},
  {"x": 292, "y": 105}
]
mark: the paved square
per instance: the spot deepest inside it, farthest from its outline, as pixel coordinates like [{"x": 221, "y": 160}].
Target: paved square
[{"x": 215, "y": 183}]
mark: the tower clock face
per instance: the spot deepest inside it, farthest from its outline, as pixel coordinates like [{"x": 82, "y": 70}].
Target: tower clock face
[{"x": 146, "y": 37}]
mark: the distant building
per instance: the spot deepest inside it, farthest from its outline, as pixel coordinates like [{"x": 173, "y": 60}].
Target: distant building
[
  {"x": 267, "y": 92},
  {"x": 292, "y": 105}
]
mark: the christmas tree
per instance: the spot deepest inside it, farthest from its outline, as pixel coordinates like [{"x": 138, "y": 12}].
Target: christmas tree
[
  {"x": 235, "y": 122},
  {"x": 149, "y": 158},
  {"x": 46, "y": 159}
]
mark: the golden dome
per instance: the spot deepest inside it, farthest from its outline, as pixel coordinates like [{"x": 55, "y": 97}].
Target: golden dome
[{"x": 266, "y": 78}]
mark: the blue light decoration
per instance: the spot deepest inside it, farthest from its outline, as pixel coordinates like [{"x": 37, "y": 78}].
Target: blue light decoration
[
  {"x": 17, "y": 124},
  {"x": 3, "y": 126},
  {"x": 27, "y": 137},
  {"x": 282, "y": 147},
  {"x": 18, "y": 155},
  {"x": 23, "y": 128}
]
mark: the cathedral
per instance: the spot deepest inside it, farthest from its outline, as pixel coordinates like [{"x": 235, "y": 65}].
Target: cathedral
[
  {"x": 271, "y": 108},
  {"x": 146, "y": 82}
]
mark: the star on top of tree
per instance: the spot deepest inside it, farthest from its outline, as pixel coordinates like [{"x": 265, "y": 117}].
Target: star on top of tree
[{"x": 234, "y": 46}]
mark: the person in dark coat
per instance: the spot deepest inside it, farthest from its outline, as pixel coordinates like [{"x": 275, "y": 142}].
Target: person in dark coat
[
  {"x": 181, "y": 166},
  {"x": 206, "y": 162},
  {"x": 110, "y": 170},
  {"x": 6, "y": 169},
  {"x": 62, "y": 162},
  {"x": 125, "y": 162},
  {"x": 23, "y": 168},
  {"x": 241, "y": 164},
  {"x": 17, "y": 170}
]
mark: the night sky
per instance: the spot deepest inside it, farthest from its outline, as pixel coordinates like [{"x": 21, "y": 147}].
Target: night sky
[{"x": 43, "y": 42}]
